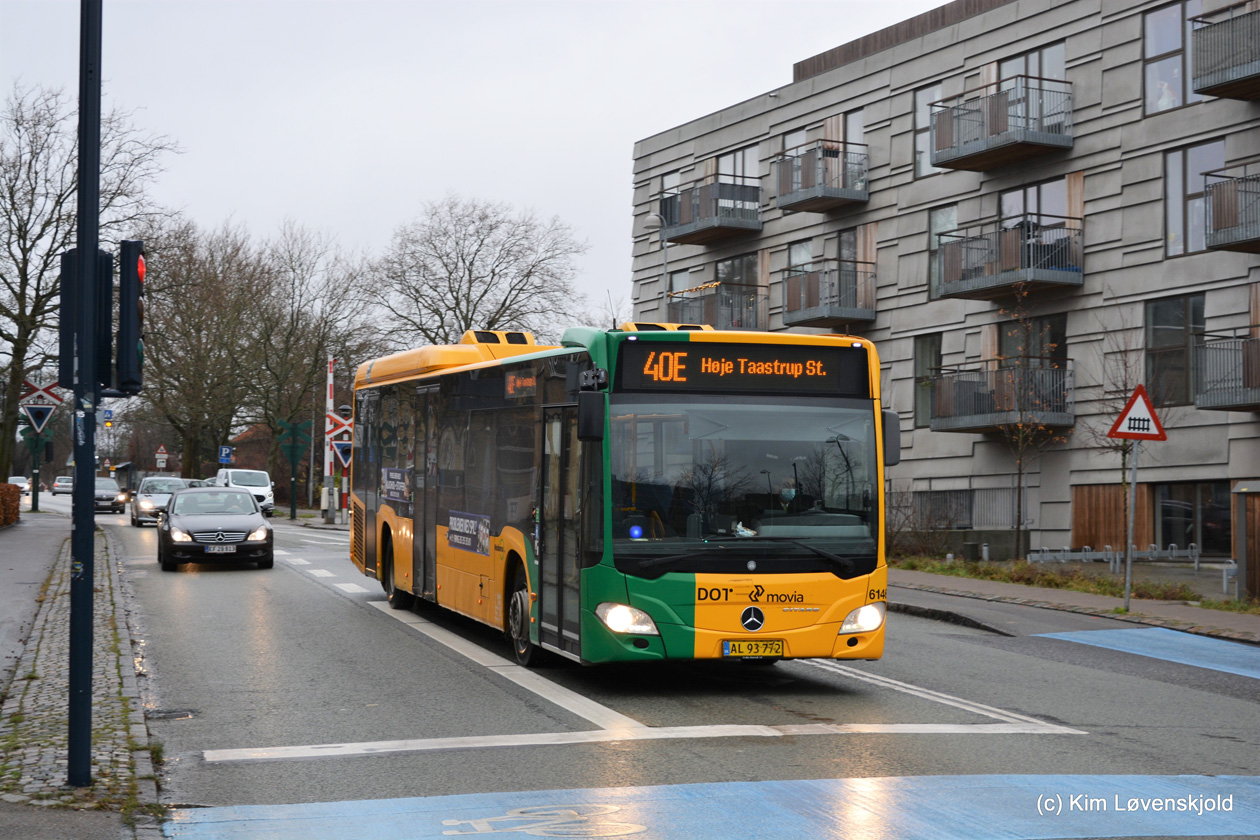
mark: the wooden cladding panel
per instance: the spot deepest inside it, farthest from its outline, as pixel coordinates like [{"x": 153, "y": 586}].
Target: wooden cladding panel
[{"x": 1098, "y": 516}]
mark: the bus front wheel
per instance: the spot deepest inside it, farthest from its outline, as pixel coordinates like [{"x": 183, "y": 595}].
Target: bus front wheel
[
  {"x": 526, "y": 652},
  {"x": 398, "y": 599}
]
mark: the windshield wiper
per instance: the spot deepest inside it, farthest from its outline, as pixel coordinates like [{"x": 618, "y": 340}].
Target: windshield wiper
[{"x": 845, "y": 564}]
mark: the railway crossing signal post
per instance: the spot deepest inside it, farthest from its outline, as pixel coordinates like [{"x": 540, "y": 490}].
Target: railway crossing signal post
[{"x": 1137, "y": 422}]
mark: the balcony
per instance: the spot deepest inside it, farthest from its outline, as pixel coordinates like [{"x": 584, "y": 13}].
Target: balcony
[
  {"x": 991, "y": 397},
  {"x": 712, "y": 210},
  {"x": 822, "y": 176},
  {"x": 829, "y": 293},
  {"x": 723, "y": 306},
  {"x": 1226, "y": 51},
  {"x": 1233, "y": 209},
  {"x": 1227, "y": 374},
  {"x": 1000, "y": 124},
  {"x": 1004, "y": 257}
]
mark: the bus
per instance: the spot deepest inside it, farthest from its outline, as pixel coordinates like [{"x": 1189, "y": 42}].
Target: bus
[{"x": 652, "y": 492}]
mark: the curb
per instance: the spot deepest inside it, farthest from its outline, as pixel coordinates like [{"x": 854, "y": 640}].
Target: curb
[{"x": 1131, "y": 617}]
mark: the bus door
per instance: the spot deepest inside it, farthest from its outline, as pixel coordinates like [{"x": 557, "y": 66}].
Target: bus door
[
  {"x": 367, "y": 473},
  {"x": 558, "y": 601},
  {"x": 424, "y": 495}
]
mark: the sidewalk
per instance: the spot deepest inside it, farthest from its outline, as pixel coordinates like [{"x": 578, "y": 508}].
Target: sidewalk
[
  {"x": 1177, "y": 615},
  {"x": 35, "y": 801}
]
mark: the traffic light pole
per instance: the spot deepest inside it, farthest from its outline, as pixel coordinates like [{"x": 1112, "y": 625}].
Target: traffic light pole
[{"x": 86, "y": 390}]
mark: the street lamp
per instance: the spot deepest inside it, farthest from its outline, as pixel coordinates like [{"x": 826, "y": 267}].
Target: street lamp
[{"x": 656, "y": 222}]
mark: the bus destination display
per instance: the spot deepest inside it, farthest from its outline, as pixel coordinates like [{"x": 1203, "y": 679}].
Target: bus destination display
[{"x": 746, "y": 368}]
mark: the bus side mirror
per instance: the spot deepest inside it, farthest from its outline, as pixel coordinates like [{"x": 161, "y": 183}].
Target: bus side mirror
[
  {"x": 892, "y": 438},
  {"x": 590, "y": 416}
]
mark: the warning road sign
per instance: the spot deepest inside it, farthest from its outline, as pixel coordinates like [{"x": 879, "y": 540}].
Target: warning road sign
[{"x": 1138, "y": 421}]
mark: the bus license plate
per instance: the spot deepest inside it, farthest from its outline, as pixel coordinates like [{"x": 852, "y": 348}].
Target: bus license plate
[
  {"x": 758, "y": 647},
  {"x": 220, "y": 549}
]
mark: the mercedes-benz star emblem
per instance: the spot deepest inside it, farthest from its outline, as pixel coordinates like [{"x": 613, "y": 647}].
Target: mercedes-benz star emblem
[
  {"x": 219, "y": 537},
  {"x": 752, "y": 619}
]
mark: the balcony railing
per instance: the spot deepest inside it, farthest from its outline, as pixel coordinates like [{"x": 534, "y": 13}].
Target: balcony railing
[
  {"x": 715, "y": 208},
  {"x": 1038, "y": 392},
  {"x": 723, "y": 306},
  {"x": 829, "y": 293},
  {"x": 1226, "y": 50},
  {"x": 1002, "y": 123},
  {"x": 822, "y": 176},
  {"x": 995, "y": 259},
  {"x": 1227, "y": 374},
  {"x": 1233, "y": 208}
]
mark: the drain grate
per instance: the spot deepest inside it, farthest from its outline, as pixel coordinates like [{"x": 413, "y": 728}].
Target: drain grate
[{"x": 169, "y": 714}]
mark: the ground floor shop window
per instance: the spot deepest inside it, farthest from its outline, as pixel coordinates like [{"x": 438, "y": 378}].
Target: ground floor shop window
[{"x": 1193, "y": 513}]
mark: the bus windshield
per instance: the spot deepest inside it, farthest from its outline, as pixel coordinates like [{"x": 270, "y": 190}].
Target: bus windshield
[{"x": 697, "y": 478}]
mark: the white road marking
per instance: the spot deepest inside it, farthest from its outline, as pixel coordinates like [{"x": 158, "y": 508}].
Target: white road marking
[
  {"x": 936, "y": 696},
  {"x": 643, "y": 733},
  {"x": 322, "y": 573},
  {"x": 280, "y": 552},
  {"x": 349, "y": 587},
  {"x": 297, "y": 561}
]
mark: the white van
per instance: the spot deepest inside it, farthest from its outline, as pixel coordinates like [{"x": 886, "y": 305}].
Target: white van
[{"x": 256, "y": 482}]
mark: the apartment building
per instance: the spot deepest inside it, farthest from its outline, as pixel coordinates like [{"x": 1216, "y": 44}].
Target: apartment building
[{"x": 1031, "y": 208}]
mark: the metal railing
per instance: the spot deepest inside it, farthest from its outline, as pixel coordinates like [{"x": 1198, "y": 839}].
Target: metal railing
[
  {"x": 1227, "y": 373},
  {"x": 1035, "y": 247},
  {"x": 824, "y": 166},
  {"x": 1034, "y": 390},
  {"x": 1115, "y": 557},
  {"x": 1233, "y": 207},
  {"x": 830, "y": 286},
  {"x": 1021, "y": 109},
  {"x": 1226, "y": 51},
  {"x": 724, "y": 306}
]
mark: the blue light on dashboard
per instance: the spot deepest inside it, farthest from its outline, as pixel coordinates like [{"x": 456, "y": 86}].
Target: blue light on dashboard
[{"x": 636, "y": 532}]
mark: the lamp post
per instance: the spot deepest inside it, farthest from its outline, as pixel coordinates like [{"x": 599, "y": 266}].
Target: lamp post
[{"x": 656, "y": 222}]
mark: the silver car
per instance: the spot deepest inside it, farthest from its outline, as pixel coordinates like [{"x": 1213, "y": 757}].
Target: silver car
[{"x": 151, "y": 498}]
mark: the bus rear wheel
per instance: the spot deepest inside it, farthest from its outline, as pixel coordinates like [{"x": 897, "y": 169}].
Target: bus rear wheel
[
  {"x": 526, "y": 652},
  {"x": 398, "y": 599}
]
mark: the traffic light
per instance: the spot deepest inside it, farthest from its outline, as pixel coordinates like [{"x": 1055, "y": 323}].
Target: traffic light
[
  {"x": 104, "y": 320},
  {"x": 130, "y": 316}
]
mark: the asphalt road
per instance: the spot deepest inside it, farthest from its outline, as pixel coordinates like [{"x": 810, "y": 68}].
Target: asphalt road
[{"x": 297, "y": 685}]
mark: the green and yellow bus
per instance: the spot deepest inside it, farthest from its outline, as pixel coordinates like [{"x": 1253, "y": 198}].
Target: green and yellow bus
[{"x": 658, "y": 491}]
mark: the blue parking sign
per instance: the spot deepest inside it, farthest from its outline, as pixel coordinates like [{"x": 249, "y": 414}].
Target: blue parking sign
[{"x": 225, "y": 454}]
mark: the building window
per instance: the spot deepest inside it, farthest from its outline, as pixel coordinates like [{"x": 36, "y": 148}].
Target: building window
[
  {"x": 847, "y": 245},
  {"x": 1193, "y": 513},
  {"x": 734, "y": 167},
  {"x": 1166, "y": 56},
  {"x": 680, "y": 281},
  {"x": 923, "y": 98},
  {"x": 940, "y": 220},
  {"x": 1049, "y": 199},
  {"x": 1174, "y": 329},
  {"x": 1048, "y": 62},
  {"x": 854, "y": 127},
  {"x": 741, "y": 271},
  {"x": 793, "y": 139},
  {"x": 1185, "y": 207},
  {"x": 800, "y": 255},
  {"x": 1037, "y": 342},
  {"x": 927, "y": 366}
]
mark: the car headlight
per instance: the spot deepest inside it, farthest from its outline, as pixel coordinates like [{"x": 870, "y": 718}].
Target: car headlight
[
  {"x": 145, "y": 504},
  {"x": 864, "y": 619},
  {"x": 620, "y": 618},
  {"x": 122, "y": 497},
  {"x": 259, "y": 533},
  {"x": 179, "y": 535}
]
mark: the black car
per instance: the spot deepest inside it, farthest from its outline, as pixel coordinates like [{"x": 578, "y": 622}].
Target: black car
[
  {"x": 109, "y": 496},
  {"x": 213, "y": 525}
]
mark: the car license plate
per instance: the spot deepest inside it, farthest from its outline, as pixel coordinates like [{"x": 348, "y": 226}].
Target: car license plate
[
  {"x": 220, "y": 549},
  {"x": 751, "y": 647}
]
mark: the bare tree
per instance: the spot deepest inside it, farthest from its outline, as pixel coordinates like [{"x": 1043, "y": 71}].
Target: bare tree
[
  {"x": 471, "y": 264},
  {"x": 306, "y": 315},
  {"x": 38, "y": 209},
  {"x": 201, "y": 353}
]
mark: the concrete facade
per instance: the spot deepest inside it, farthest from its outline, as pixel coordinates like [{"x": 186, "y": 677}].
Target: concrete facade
[{"x": 1117, "y": 183}]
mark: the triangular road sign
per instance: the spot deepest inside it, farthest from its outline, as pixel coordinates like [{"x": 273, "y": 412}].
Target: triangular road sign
[
  {"x": 38, "y": 415},
  {"x": 342, "y": 448},
  {"x": 1138, "y": 421}
]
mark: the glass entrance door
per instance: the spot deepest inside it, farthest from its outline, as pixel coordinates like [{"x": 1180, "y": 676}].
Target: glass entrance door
[{"x": 558, "y": 598}]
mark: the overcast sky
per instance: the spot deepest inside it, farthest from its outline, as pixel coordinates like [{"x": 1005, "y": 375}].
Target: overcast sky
[{"x": 347, "y": 116}]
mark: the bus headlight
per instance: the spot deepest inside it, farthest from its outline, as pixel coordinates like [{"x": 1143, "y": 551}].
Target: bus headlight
[
  {"x": 622, "y": 619},
  {"x": 864, "y": 619}
]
